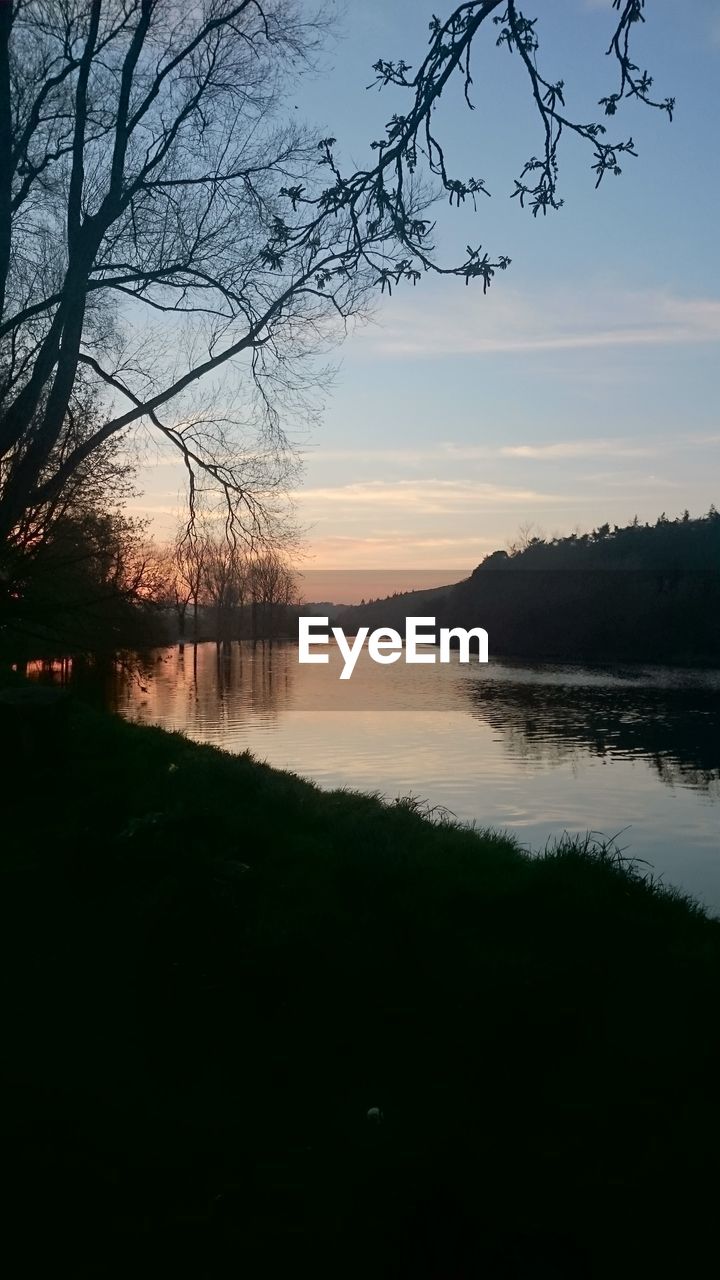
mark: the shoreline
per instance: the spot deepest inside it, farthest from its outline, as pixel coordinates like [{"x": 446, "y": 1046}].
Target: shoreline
[{"x": 221, "y": 975}]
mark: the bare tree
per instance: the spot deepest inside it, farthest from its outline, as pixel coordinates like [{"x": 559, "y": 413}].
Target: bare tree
[
  {"x": 186, "y": 575},
  {"x": 103, "y": 481},
  {"x": 223, "y": 582},
  {"x": 162, "y": 222},
  {"x": 272, "y": 589}
]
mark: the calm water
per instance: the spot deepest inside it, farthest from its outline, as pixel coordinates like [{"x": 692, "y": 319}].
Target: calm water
[{"x": 535, "y": 750}]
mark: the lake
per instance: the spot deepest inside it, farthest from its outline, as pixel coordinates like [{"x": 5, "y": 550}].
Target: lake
[{"x": 632, "y": 752}]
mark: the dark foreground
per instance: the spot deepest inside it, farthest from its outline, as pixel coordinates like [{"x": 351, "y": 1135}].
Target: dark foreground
[{"x": 213, "y": 972}]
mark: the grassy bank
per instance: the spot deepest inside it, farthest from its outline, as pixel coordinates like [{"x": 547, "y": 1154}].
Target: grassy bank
[{"x": 214, "y": 971}]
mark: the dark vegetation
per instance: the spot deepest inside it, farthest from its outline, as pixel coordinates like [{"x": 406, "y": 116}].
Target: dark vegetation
[
  {"x": 81, "y": 575},
  {"x": 93, "y": 586},
  {"x": 643, "y": 593},
  {"x": 214, "y": 971}
]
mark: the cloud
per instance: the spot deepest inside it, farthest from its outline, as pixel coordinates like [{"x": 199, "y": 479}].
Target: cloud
[
  {"x": 445, "y": 451},
  {"x": 638, "y": 483},
  {"x": 402, "y": 537},
  {"x": 448, "y": 451},
  {"x": 465, "y": 323},
  {"x": 427, "y": 497},
  {"x": 569, "y": 449},
  {"x": 436, "y": 560}
]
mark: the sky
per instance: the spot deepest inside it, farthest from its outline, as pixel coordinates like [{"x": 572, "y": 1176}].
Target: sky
[{"x": 582, "y": 387}]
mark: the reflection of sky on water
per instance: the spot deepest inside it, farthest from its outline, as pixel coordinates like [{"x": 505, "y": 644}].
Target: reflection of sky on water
[{"x": 535, "y": 750}]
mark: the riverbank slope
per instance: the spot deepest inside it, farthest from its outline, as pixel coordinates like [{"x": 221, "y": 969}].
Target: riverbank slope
[{"x": 244, "y": 1014}]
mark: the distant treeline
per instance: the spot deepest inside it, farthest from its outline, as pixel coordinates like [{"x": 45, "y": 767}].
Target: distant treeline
[{"x": 638, "y": 592}]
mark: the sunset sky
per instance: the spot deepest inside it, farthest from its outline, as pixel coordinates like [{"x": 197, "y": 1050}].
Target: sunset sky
[{"x": 583, "y": 387}]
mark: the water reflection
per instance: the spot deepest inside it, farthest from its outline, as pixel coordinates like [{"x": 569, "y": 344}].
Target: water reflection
[
  {"x": 667, "y": 717},
  {"x": 206, "y": 690},
  {"x": 536, "y": 750},
  {"x": 676, "y": 729}
]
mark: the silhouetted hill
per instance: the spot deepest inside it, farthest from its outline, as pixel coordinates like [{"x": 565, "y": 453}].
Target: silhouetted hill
[
  {"x": 648, "y": 593},
  {"x": 391, "y": 611}
]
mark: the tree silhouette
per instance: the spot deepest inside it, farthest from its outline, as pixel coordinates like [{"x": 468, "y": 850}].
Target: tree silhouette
[{"x": 149, "y": 174}]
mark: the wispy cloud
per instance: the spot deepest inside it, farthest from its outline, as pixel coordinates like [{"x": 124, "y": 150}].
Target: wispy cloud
[
  {"x": 636, "y": 484},
  {"x": 428, "y": 497},
  {"x": 468, "y": 324},
  {"x": 447, "y": 451},
  {"x": 452, "y": 557},
  {"x": 580, "y": 449}
]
